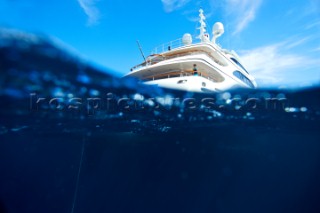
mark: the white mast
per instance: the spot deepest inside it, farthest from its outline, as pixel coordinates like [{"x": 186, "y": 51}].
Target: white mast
[{"x": 202, "y": 36}]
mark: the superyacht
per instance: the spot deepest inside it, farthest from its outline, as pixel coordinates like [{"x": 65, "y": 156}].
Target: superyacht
[{"x": 194, "y": 63}]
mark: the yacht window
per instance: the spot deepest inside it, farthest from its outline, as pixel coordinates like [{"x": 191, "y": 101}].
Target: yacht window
[
  {"x": 238, "y": 63},
  {"x": 243, "y": 78},
  {"x": 181, "y": 81},
  {"x": 204, "y": 84}
]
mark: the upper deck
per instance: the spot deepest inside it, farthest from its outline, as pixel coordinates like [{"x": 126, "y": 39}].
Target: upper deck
[{"x": 177, "y": 48}]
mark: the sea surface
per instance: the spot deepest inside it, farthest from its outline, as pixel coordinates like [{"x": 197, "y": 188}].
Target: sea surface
[{"x": 76, "y": 138}]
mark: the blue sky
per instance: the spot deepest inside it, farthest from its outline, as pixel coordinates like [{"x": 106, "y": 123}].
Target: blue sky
[{"x": 278, "y": 41}]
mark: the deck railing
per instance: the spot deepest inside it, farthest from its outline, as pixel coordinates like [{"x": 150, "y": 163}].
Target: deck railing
[
  {"x": 174, "y": 45},
  {"x": 183, "y": 73},
  {"x": 168, "y": 46}
]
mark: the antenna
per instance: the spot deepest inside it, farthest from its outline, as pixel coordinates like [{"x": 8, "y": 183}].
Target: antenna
[
  {"x": 141, "y": 51},
  {"x": 202, "y": 28}
]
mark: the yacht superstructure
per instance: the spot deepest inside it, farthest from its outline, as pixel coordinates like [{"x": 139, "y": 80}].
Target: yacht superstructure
[{"x": 194, "y": 64}]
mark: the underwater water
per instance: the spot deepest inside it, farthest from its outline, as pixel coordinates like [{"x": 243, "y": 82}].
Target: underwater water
[{"x": 75, "y": 139}]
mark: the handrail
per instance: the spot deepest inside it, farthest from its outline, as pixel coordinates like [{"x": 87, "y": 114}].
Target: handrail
[
  {"x": 179, "y": 74},
  {"x": 174, "y": 45},
  {"x": 168, "y": 46},
  {"x": 156, "y": 59},
  {"x": 171, "y": 45}
]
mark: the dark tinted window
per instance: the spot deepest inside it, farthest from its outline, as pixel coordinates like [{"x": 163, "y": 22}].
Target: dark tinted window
[
  {"x": 238, "y": 63},
  {"x": 243, "y": 78}
]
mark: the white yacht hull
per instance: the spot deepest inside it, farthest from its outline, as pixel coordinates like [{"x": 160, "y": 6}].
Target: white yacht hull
[
  {"x": 216, "y": 71},
  {"x": 192, "y": 84}
]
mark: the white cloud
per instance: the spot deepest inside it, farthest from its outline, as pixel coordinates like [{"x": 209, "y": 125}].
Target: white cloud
[
  {"x": 316, "y": 49},
  {"x": 171, "y": 5},
  {"x": 296, "y": 42},
  {"x": 272, "y": 65},
  {"x": 312, "y": 7},
  {"x": 244, "y": 12},
  {"x": 312, "y": 25},
  {"x": 89, "y": 7}
]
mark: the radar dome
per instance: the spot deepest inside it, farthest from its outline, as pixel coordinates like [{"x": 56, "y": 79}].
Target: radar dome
[
  {"x": 218, "y": 29},
  {"x": 187, "y": 39}
]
